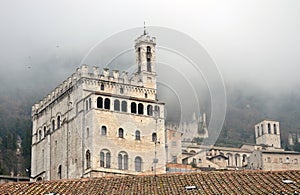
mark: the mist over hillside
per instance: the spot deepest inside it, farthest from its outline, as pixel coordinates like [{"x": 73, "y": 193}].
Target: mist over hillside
[{"x": 246, "y": 105}]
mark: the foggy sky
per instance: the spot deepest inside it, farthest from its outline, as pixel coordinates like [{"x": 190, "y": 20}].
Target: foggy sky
[{"x": 254, "y": 42}]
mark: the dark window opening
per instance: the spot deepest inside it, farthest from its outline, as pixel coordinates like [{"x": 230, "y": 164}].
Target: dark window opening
[
  {"x": 88, "y": 159},
  {"x": 117, "y": 105},
  {"x": 124, "y": 106},
  {"x": 275, "y": 129},
  {"x": 149, "y": 110},
  {"x": 121, "y": 133},
  {"x": 140, "y": 108},
  {"x": 58, "y": 122},
  {"x": 90, "y": 103},
  {"x": 103, "y": 130},
  {"x": 59, "y": 172},
  {"x": 154, "y": 137},
  {"x": 269, "y": 128},
  {"x": 86, "y": 105},
  {"x": 102, "y": 87},
  {"x": 121, "y": 90},
  {"x": 133, "y": 107},
  {"x": 53, "y": 125},
  {"x": 148, "y": 59},
  {"x": 107, "y": 103},
  {"x": 99, "y": 102},
  {"x": 137, "y": 135}
]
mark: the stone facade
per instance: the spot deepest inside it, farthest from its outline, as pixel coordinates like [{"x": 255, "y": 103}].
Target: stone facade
[
  {"x": 266, "y": 154},
  {"x": 268, "y": 133},
  {"x": 274, "y": 160},
  {"x": 173, "y": 146},
  {"x": 101, "y": 124}
]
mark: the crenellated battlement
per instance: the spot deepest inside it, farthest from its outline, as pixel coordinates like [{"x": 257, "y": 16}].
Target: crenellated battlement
[
  {"x": 145, "y": 39},
  {"x": 113, "y": 76}
]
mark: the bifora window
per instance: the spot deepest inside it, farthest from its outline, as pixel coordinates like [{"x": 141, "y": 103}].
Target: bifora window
[
  {"x": 123, "y": 161},
  {"x": 105, "y": 158}
]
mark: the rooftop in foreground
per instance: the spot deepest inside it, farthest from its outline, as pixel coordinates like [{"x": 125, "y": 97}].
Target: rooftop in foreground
[{"x": 226, "y": 182}]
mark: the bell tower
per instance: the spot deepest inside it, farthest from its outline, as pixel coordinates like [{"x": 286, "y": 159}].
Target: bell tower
[{"x": 145, "y": 59}]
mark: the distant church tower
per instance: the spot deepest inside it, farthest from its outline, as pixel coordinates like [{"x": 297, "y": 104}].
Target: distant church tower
[
  {"x": 268, "y": 133},
  {"x": 145, "y": 59}
]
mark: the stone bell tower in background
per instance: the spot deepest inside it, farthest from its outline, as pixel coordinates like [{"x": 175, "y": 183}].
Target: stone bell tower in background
[{"x": 145, "y": 60}]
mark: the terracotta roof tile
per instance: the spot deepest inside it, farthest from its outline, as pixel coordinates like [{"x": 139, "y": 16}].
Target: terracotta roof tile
[{"x": 234, "y": 182}]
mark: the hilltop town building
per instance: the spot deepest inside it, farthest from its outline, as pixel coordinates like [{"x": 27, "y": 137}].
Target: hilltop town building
[
  {"x": 101, "y": 124},
  {"x": 266, "y": 154}
]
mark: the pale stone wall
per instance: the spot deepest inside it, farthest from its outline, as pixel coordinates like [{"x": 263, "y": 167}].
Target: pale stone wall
[
  {"x": 61, "y": 152},
  {"x": 273, "y": 160},
  {"x": 174, "y": 149},
  {"x": 268, "y": 133}
]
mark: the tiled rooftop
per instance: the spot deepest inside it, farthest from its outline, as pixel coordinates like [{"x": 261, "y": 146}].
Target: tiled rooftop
[{"x": 226, "y": 182}]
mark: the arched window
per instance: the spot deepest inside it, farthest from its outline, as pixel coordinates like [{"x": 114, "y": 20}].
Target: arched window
[
  {"x": 140, "y": 108},
  {"x": 86, "y": 105},
  {"x": 102, "y": 87},
  {"x": 121, "y": 133},
  {"x": 139, "y": 59},
  {"x": 88, "y": 159},
  {"x": 99, "y": 102},
  {"x": 107, "y": 103},
  {"x": 105, "y": 158},
  {"x": 269, "y": 128},
  {"x": 148, "y": 59},
  {"x": 102, "y": 159},
  {"x": 121, "y": 90},
  {"x": 40, "y": 134},
  {"x": 149, "y": 110},
  {"x": 123, "y": 161},
  {"x": 103, "y": 130},
  {"x": 133, "y": 107},
  {"x": 45, "y": 132},
  {"x": 117, "y": 105},
  {"x": 154, "y": 137},
  {"x": 157, "y": 111},
  {"x": 58, "y": 122},
  {"x": 287, "y": 160},
  {"x": 108, "y": 160},
  {"x": 59, "y": 172},
  {"x": 138, "y": 164},
  {"x": 137, "y": 135},
  {"x": 275, "y": 129},
  {"x": 90, "y": 103},
  {"x": 53, "y": 124},
  {"x": 124, "y": 106}
]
